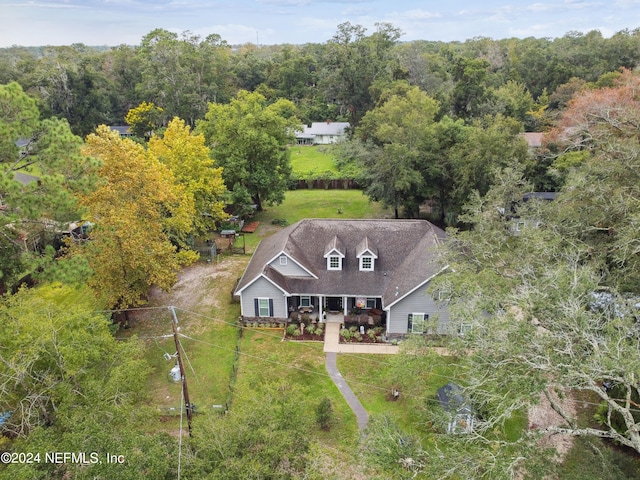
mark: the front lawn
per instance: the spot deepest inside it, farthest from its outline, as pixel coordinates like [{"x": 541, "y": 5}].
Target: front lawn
[{"x": 265, "y": 358}]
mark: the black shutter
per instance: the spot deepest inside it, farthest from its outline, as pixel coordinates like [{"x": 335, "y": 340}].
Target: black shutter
[
  {"x": 271, "y": 307},
  {"x": 410, "y": 326},
  {"x": 255, "y": 304}
]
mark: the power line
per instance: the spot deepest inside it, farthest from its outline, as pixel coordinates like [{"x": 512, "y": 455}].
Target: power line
[
  {"x": 310, "y": 345},
  {"x": 185, "y": 390}
]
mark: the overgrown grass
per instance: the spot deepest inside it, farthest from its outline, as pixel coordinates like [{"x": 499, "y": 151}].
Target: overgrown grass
[{"x": 308, "y": 161}]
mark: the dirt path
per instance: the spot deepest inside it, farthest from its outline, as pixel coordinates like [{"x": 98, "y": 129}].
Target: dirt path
[{"x": 200, "y": 288}]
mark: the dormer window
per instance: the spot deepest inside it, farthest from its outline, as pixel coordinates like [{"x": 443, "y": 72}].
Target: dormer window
[
  {"x": 334, "y": 262},
  {"x": 367, "y": 253},
  {"x": 366, "y": 263},
  {"x": 334, "y": 253}
]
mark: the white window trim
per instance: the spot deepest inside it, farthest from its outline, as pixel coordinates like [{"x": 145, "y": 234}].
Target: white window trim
[
  {"x": 367, "y": 303},
  {"x": 464, "y": 328},
  {"x": 260, "y": 299},
  {"x": 305, "y": 297},
  {"x": 329, "y": 267},
  {"x": 424, "y": 316},
  {"x": 283, "y": 259},
  {"x": 365, "y": 269}
]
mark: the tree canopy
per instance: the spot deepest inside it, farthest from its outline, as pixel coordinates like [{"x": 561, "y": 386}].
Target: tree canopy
[
  {"x": 552, "y": 310},
  {"x": 248, "y": 137},
  {"x": 189, "y": 160},
  {"x": 137, "y": 210}
]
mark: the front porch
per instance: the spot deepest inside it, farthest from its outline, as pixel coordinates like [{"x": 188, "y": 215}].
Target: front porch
[{"x": 355, "y": 310}]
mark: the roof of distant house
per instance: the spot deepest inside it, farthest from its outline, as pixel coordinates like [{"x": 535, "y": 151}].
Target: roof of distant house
[
  {"x": 540, "y": 196},
  {"x": 25, "y": 178},
  {"x": 534, "y": 139},
  {"x": 122, "y": 129},
  {"x": 325, "y": 128}
]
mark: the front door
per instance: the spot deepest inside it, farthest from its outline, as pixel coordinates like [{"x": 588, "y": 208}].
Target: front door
[{"x": 334, "y": 304}]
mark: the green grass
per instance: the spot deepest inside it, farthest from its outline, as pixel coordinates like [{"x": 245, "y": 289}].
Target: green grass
[
  {"x": 310, "y": 161},
  {"x": 373, "y": 377},
  {"x": 266, "y": 358},
  {"x": 299, "y": 204}
]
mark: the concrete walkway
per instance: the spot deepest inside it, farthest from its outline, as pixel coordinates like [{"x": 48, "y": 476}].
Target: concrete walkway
[
  {"x": 332, "y": 343},
  {"x": 332, "y": 347},
  {"x": 361, "y": 414}
]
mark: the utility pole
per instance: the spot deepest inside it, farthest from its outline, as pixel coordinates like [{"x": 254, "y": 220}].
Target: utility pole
[{"x": 185, "y": 391}]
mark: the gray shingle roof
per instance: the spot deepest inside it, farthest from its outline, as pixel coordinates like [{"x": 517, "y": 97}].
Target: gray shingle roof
[{"x": 405, "y": 250}]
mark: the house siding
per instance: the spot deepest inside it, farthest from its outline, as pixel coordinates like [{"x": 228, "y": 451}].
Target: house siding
[
  {"x": 262, "y": 288},
  {"x": 416, "y": 302},
  {"x": 291, "y": 269}
]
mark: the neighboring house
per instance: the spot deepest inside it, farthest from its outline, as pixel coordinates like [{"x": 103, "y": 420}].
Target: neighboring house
[
  {"x": 339, "y": 266},
  {"x": 519, "y": 223},
  {"x": 25, "y": 179},
  {"x": 458, "y": 407},
  {"x": 534, "y": 139},
  {"x": 322, "y": 133},
  {"x": 123, "y": 130}
]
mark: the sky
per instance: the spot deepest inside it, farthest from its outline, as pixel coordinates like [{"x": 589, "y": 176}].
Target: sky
[{"x": 267, "y": 22}]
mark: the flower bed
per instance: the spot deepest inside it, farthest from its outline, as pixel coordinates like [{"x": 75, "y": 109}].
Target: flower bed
[
  {"x": 305, "y": 332},
  {"x": 352, "y": 335},
  {"x": 260, "y": 322}
]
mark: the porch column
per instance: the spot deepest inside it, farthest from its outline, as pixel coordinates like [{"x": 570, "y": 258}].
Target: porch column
[
  {"x": 320, "y": 302},
  {"x": 344, "y": 305}
]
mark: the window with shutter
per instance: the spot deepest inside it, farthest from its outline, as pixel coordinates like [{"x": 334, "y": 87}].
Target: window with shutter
[
  {"x": 416, "y": 323},
  {"x": 263, "y": 307}
]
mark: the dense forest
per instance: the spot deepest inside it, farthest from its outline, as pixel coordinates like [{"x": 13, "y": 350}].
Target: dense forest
[
  {"x": 340, "y": 79},
  {"x": 435, "y": 130}
]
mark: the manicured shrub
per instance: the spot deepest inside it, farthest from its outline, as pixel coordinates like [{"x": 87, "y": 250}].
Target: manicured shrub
[
  {"x": 346, "y": 334},
  {"x": 291, "y": 329}
]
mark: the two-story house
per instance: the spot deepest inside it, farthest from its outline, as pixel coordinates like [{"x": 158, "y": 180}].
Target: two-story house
[{"x": 334, "y": 266}]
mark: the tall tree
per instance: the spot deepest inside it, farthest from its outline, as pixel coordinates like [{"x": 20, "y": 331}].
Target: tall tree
[
  {"x": 188, "y": 158},
  {"x": 552, "y": 311},
  {"x": 41, "y": 170},
  {"x": 401, "y": 127},
  {"x": 353, "y": 63},
  {"x": 137, "y": 208},
  {"x": 249, "y": 139},
  {"x": 62, "y": 373},
  {"x": 491, "y": 143},
  {"x": 182, "y": 73}
]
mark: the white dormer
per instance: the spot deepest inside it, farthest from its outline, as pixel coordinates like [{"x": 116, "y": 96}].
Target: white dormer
[
  {"x": 367, "y": 254},
  {"x": 334, "y": 252}
]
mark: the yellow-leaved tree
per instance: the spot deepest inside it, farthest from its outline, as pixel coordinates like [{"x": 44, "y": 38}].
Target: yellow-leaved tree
[
  {"x": 144, "y": 119},
  {"x": 187, "y": 156},
  {"x": 136, "y": 209}
]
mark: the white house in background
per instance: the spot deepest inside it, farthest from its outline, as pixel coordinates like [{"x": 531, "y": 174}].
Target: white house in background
[
  {"x": 336, "y": 266},
  {"x": 322, "y": 133}
]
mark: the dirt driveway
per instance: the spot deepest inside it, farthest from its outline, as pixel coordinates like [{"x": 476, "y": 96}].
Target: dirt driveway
[{"x": 201, "y": 288}]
